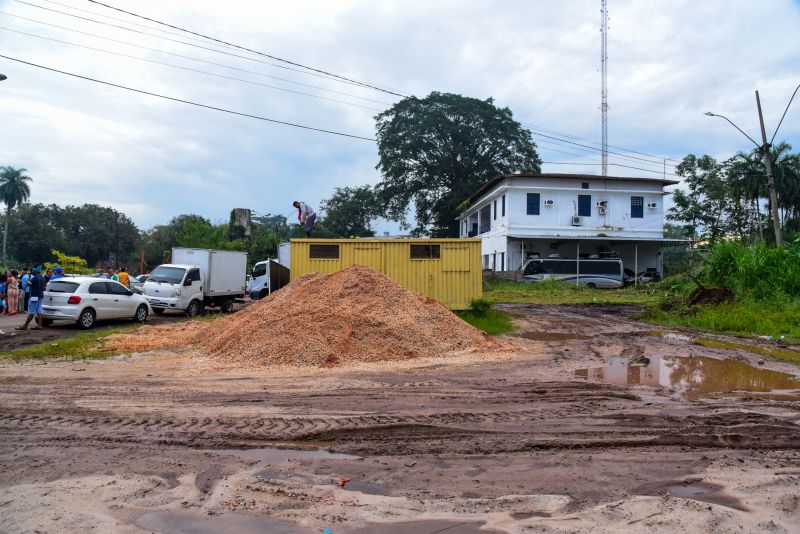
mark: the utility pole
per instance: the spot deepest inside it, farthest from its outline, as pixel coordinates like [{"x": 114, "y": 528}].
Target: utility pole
[
  {"x": 604, "y": 84},
  {"x": 773, "y": 195},
  {"x": 117, "y": 254}
]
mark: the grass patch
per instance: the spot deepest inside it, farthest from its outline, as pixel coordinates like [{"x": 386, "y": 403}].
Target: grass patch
[
  {"x": 84, "y": 345},
  {"x": 550, "y": 292},
  {"x": 493, "y": 322},
  {"x": 741, "y": 318},
  {"x": 779, "y": 354}
]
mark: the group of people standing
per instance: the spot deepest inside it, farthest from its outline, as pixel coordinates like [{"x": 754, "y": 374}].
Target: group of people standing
[
  {"x": 120, "y": 276},
  {"x": 25, "y": 292},
  {"x": 15, "y": 287}
]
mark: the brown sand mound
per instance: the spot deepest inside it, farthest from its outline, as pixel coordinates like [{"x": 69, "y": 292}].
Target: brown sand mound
[{"x": 355, "y": 315}]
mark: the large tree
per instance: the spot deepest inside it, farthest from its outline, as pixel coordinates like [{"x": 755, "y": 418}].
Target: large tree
[
  {"x": 349, "y": 211},
  {"x": 14, "y": 190},
  {"x": 436, "y": 151}
]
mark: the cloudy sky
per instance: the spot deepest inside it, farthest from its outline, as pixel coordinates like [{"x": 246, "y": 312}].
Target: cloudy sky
[{"x": 669, "y": 61}]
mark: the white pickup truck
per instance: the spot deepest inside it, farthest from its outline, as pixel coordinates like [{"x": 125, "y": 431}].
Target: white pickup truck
[{"x": 197, "y": 278}]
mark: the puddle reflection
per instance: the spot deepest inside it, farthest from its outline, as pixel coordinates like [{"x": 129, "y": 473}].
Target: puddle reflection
[{"x": 695, "y": 377}]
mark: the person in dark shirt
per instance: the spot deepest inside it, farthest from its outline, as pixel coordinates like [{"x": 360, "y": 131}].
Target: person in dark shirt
[{"x": 36, "y": 285}]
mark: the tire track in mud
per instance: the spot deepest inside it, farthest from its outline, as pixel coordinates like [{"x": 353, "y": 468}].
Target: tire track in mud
[{"x": 565, "y": 417}]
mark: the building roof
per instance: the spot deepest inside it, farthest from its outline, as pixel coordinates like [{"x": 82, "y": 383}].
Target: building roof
[{"x": 500, "y": 177}]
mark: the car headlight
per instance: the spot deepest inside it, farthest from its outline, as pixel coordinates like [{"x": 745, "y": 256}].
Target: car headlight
[{"x": 176, "y": 292}]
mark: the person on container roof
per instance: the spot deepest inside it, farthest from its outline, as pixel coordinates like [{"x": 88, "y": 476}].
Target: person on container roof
[{"x": 306, "y": 216}]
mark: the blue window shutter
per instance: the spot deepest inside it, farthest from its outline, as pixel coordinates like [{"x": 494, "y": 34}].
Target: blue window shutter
[
  {"x": 637, "y": 207},
  {"x": 495, "y": 210},
  {"x": 533, "y": 203},
  {"x": 585, "y": 205},
  {"x": 503, "y": 202}
]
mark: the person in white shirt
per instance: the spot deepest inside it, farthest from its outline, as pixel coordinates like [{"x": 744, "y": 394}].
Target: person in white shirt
[{"x": 306, "y": 216}]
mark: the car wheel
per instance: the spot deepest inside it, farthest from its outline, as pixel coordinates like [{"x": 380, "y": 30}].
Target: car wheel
[
  {"x": 591, "y": 285},
  {"x": 263, "y": 294},
  {"x": 226, "y": 306},
  {"x": 47, "y": 322},
  {"x": 193, "y": 310},
  {"x": 158, "y": 311},
  {"x": 86, "y": 319},
  {"x": 141, "y": 314}
]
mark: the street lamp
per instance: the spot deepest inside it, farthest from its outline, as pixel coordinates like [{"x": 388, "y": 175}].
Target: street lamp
[{"x": 765, "y": 146}]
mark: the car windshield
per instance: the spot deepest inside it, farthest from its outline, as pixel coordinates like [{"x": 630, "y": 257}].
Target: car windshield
[
  {"x": 62, "y": 287},
  {"x": 170, "y": 275}
]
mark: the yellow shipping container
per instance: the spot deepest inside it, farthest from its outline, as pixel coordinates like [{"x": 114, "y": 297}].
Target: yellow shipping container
[{"x": 448, "y": 270}]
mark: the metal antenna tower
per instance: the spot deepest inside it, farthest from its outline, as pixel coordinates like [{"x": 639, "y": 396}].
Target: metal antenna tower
[{"x": 604, "y": 82}]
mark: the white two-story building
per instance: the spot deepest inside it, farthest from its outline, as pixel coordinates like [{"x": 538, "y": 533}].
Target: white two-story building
[{"x": 519, "y": 216}]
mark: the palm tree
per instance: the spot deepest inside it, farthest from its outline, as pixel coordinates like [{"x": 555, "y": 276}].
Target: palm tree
[{"x": 14, "y": 190}]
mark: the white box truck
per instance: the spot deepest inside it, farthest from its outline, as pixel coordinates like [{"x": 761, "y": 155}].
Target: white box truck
[
  {"x": 197, "y": 278},
  {"x": 267, "y": 276}
]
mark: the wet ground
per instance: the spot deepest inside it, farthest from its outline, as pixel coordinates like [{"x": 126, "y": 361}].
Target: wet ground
[
  {"x": 596, "y": 423},
  {"x": 10, "y": 338}
]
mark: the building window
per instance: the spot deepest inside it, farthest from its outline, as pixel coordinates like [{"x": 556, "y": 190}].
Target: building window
[
  {"x": 503, "y": 206},
  {"x": 637, "y": 207},
  {"x": 495, "y": 210},
  {"x": 533, "y": 203},
  {"x": 585, "y": 205},
  {"x": 323, "y": 252},
  {"x": 585, "y": 185},
  {"x": 425, "y": 252},
  {"x": 502, "y": 261}
]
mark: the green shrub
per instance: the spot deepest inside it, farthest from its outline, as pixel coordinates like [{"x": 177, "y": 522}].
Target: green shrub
[
  {"x": 755, "y": 271},
  {"x": 480, "y": 306}
]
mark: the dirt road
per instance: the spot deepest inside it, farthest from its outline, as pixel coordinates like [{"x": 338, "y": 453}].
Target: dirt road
[
  {"x": 564, "y": 435},
  {"x": 12, "y": 339}
]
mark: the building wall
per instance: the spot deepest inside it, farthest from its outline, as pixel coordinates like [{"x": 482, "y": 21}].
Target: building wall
[
  {"x": 557, "y": 218},
  {"x": 454, "y": 278}
]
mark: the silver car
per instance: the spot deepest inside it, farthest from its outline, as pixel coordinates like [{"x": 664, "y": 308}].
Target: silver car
[
  {"x": 86, "y": 300},
  {"x": 137, "y": 282}
]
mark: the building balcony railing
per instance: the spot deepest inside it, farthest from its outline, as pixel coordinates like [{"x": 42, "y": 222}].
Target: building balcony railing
[{"x": 484, "y": 228}]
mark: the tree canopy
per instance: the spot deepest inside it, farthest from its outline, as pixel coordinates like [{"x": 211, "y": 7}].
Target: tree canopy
[
  {"x": 14, "y": 190},
  {"x": 349, "y": 211},
  {"x": 730, "y": 198},
  {"x": 436, "y": 151}
]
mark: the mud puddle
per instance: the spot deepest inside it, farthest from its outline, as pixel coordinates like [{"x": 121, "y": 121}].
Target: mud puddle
[
  {"x": 423, "y": 527},
  {"x": 551, "y": 336},
  {"x": 199, "y": 523},
  {"x": 694, "y": 489},
  {"x": 273, "y": 455},
  {"x": 694, "y": 377}
]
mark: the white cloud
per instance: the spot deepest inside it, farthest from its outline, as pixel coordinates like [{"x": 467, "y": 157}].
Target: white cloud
[{"x": 83, "y": 142}]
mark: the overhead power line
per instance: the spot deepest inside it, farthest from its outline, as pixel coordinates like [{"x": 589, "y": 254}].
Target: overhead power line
[
  {"x": 206, "y": 106},
  {"x": 324, "y": 77},
  {"x": 109, "y": 17},
  {"x": 540, "y": 143},
  {"x": 597, "y": 149},
  {"x": 191, "y": 58},
  {"x": 276, "y": 58},
  {"x": 578, "y": 138},
  {"x": 610, "y": 164},
  {"x": 191, "y": 70}
]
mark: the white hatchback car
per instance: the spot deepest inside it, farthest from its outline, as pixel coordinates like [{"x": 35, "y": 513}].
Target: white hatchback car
[{"x": 86, "y": 300}]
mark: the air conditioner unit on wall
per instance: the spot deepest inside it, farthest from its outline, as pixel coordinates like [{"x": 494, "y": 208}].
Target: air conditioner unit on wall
[
  {"x": 549, "y": 202},
  {"x": 601, "y": 210},
  {"x": 602, "y": 203},
  {"x": 577, "y": 220},
  {"x": 652, "y": 205}
]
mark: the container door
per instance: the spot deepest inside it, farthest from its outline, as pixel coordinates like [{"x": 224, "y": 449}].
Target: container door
[{"x": 369, "y": 255}]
